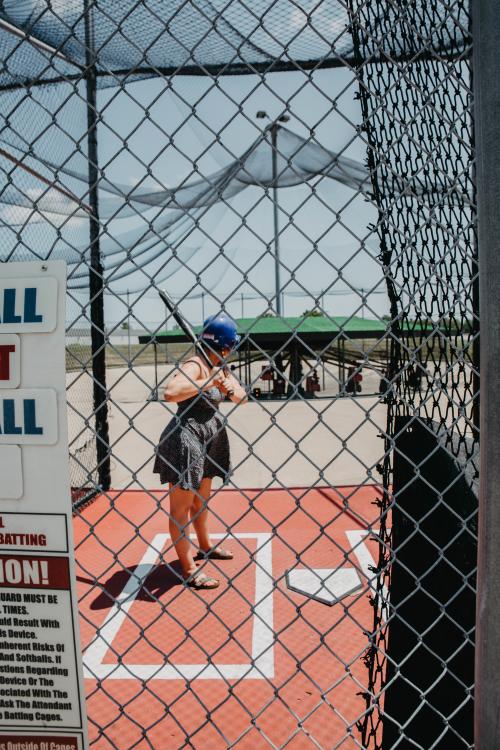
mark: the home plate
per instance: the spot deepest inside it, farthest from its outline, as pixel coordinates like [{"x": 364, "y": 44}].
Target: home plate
[{"x": 326, "y": 585}]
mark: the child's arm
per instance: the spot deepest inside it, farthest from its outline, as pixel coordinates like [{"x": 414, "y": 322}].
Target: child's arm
[
  {"x": 188, "y": 381},
  {"x": 231, "y": 387}
]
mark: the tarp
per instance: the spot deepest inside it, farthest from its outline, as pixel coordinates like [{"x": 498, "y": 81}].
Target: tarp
[{"x": 162, "y": 37}]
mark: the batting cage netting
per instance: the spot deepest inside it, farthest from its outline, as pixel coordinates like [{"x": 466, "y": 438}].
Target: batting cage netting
[{"x": 308, "y": 169}]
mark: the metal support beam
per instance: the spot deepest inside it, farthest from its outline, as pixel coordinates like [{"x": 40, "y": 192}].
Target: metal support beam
[
  {"x": 96, "y": 271},
  {"x": 274, "y": 143},
  {"x": 48, "y": 50},
  {"x": 486, "y": 65}
]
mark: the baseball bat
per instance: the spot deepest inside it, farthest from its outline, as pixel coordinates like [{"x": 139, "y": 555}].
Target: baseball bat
[{"x": 186, "y": 327}]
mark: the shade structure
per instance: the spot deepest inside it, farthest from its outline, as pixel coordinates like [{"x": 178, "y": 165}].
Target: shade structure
[{"x": 211, "y": 37}]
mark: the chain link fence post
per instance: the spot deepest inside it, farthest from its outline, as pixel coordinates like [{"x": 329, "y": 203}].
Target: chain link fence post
[
  {"x": 96, "y": 270},
  {"x": 486, "y": 27}
]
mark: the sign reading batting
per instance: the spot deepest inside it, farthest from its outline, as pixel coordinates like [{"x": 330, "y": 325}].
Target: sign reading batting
[{"x": 39, "y": 635}]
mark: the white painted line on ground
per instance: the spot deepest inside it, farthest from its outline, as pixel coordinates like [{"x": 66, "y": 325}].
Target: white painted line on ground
[
  {"x": 365, "y": 559},
  {"x": 262, "y": 665},
  {"x": 116, "y": 616},
  {"x": 263, "y": 620}
]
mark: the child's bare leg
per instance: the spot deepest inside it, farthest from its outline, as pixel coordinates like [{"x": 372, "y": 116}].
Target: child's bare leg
[
  {"x": 199, "y": 513},
  {"x": 181, "y": 502}
]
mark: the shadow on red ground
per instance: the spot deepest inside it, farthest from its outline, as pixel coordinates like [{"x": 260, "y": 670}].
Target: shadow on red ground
[{"x": 250, "y": 665}]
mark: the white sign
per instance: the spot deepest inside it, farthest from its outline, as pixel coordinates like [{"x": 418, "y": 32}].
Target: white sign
[
  {"x": 10, "y": 361},
  {"x": 11, "y": 472},
  {"x": 35, "y": 532},
  {"x": 28, "y": 305},
  {"x": 40, "y": 656},
  {"x": 36, "y": 633},
  {"x": 28, "y": 417}
]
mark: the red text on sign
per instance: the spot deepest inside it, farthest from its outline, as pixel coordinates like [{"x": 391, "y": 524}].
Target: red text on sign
[{"x": 5, "y": 351}]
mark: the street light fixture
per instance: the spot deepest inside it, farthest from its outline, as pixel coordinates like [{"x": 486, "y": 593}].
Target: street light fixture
[{"x": 262, "y": 114}]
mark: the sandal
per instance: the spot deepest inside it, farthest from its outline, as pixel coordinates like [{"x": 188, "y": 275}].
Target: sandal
[
  {"x": 216, "y": 553},
  {"x": 201, "y": 581}
]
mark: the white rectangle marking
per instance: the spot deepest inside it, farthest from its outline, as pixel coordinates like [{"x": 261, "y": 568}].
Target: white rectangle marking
[
  {"x": 11, "y": 472},
  {"x": 28, "y": 416},
  {"x": 262, "y": 665}
]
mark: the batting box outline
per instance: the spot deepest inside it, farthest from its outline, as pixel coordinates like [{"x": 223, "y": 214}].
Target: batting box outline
[
  {"x": 262, "y": 664},
  {"x": 262, "y": 661}
]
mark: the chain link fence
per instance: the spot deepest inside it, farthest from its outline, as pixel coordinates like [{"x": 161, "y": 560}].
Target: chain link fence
[{"x": 309, "y": 169}]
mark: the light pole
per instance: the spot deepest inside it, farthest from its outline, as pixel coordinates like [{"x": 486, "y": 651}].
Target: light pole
[
  {"x": 273, "y": 129},
  {"x": 128, "y": 324}
]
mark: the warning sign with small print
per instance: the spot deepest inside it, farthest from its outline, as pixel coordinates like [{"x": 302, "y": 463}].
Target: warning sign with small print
[
  {"x": 38, "y": 678},
  {"x": 42, "y": 703}
]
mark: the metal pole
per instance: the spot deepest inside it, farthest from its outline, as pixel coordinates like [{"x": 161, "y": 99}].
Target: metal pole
[
  {"x": 202, "y": 307},
  {"x": 155, "y": 345},
  {"x": 486, "y": 64},
  {"x": 248, "y": 374},
  {"x": 274, "y": 140},
  {"x": 242, "y": 306},
  {"x": 128, "y": 324},
  {"x": 96, "y": 271}
]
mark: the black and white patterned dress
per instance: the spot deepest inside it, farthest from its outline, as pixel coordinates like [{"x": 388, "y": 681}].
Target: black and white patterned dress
[{"x": 194, "y": 444}]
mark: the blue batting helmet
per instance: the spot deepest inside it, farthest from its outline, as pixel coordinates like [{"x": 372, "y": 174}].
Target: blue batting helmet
[{"x": 220, "y": 332}]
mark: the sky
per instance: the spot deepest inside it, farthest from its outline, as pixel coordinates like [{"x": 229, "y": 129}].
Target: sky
[
  {"x": 163, "y": 133},
  {"x": 192, "y": 122}
]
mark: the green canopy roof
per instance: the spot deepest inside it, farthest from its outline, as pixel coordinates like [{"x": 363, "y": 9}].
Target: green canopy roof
[
  {"x": 310, "y": 324},
  {"x": 314, "y": 330}
]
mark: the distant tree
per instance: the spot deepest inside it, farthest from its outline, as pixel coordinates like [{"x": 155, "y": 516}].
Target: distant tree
[{"x": 125, "y": 326}]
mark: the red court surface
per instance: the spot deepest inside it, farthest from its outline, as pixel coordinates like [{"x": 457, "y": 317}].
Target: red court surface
[{"x": 250, "y": 665}]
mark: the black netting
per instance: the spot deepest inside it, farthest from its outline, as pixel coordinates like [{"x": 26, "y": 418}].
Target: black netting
[
  {"x": 137, "y": 40},
  {"x": 422, "y": 130},
  {"x": 52, "y": 121},
  {"x": 61, "y": 192}
]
